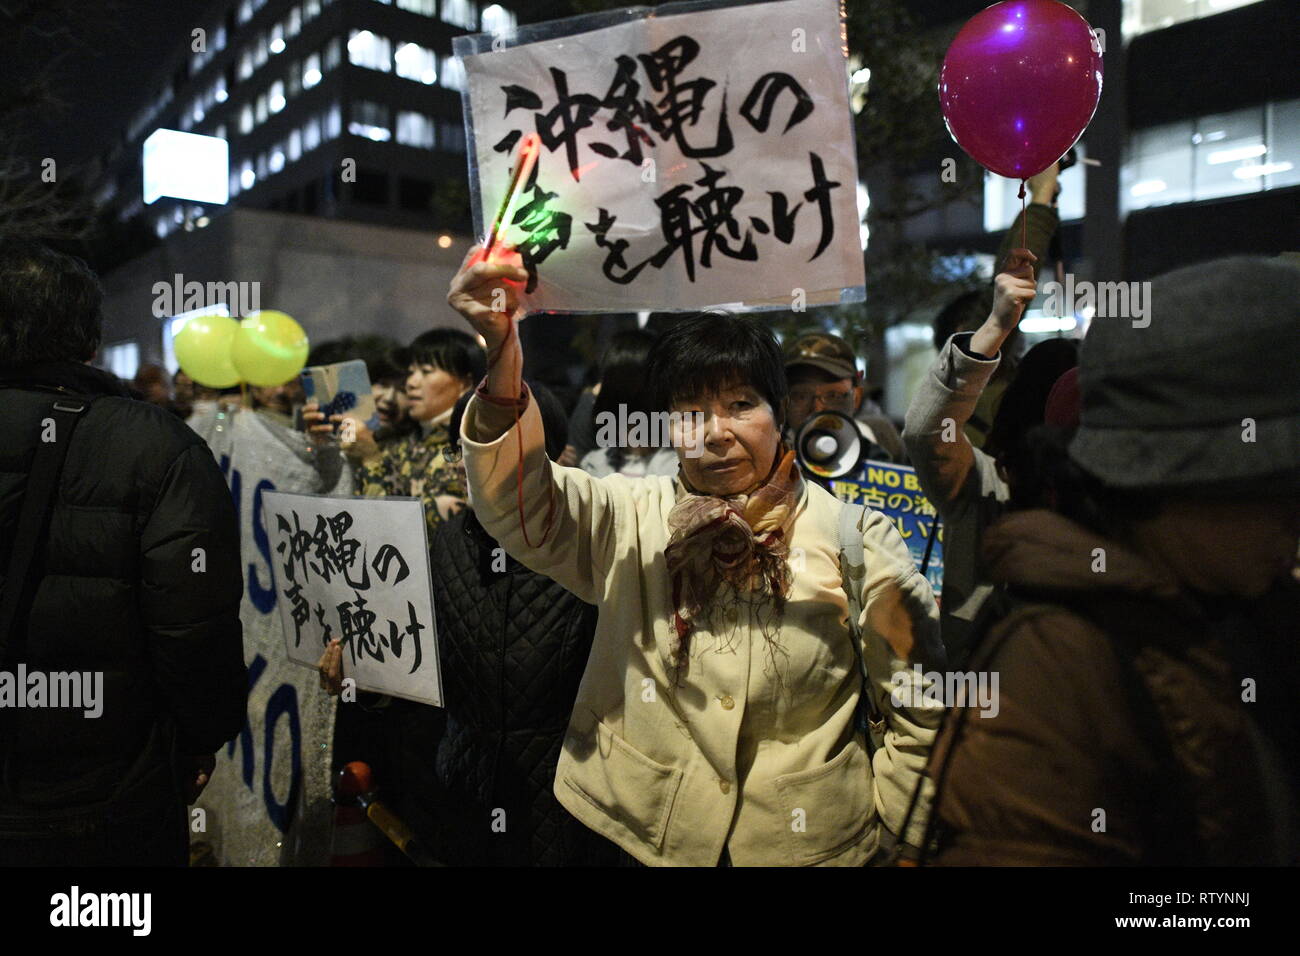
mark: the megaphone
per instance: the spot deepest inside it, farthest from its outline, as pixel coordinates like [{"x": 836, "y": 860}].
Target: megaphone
[{"x": 829, "y": 445}]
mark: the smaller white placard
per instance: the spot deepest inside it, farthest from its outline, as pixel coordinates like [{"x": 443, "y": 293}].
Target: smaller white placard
[{"x": 357, "y": 569}]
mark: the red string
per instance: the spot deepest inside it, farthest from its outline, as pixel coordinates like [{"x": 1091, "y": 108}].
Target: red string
[{"x": 519, "y": 475}]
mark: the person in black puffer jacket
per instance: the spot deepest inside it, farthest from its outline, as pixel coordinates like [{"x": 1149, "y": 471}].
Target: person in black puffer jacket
[
  {"x": 134, "y": 584},
  {"x": 512, "y": 645}
]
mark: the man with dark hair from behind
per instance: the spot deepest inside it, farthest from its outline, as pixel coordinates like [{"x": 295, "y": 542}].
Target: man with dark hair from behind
[{"x": 120, "y": 586}]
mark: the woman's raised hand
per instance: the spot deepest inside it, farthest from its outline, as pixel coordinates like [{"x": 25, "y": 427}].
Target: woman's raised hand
[{"x": 486, "y": 293}]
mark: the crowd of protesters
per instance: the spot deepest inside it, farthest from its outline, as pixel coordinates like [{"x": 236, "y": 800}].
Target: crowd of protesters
[{"x": 704, "y": 658}]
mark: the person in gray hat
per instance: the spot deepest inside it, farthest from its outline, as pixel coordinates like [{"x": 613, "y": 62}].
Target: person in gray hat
[{"x": 1148, "y": 671}]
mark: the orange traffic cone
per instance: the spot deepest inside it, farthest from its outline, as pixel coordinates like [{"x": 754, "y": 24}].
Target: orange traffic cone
[{"x": 356, "y": 842}]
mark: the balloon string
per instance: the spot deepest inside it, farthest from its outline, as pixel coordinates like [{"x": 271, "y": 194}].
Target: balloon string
[{"x": 1023, "y": 217}]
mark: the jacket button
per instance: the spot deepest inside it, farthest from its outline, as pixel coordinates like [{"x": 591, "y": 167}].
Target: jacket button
[
  {"x": 727, "y": 702},
  {"x": 724, "y": 786}
]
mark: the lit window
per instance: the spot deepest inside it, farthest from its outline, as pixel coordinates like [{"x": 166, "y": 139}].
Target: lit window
[
  {"x": 245, "y": 65},
  {"x": 334, "y": 122},
  {"x": 196, "y": 111},
  {"x": 1223, "y": 146},
  {"x": 295, "y": 79},
  {"x": 453, "y": 73},
  {"x": 259, "y": 51},
  {"x": 246, "y": 175},
  {"x": 428, "y": 8},
  {"x": 276, "y": 162},
  {"x": 370, "y": 120},
  {"x": 246, "y": 119},
  {"x": 295, "y": 146},
  {"x": 497, "y": 19},
  {"x": 123, "y": 359},
  {"x": 220, "y": 131},
  {"x": 1158, "y": 168},
  {"x": 310, "y": 10},
  {"x": 219, "y": 90},
  {"x": 262, "y": 170},
  {"x": 311, "y": 71},
  {"x": 245, "y": 11},
  {"x": 294, "y": 23},
  {"x": 219, "y": 43},
  {"x": 459, "y": 13},
  {"x": 332, "y": 54},
  {"x": 276, "y": 100},
  {"x": 234, "y": 183},
  {"x": 415, "y": 129},
  {"x": 1283, "y": 145},
  {"x": 1142, "y": 16},
  {"x": 372, "y": 52},
  {"x": 277, "y": 39},
  {"x": 1223, "y": 154},
  {"x": 1002, "y": 201},
  {"x": 261, "y": 109},
  {"x": 417, "y": 63},
  {"x": 311, "y": 134}
]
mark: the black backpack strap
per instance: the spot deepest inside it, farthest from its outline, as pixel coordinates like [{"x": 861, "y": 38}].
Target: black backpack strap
[
  {"x": 42, "y": 482},
  {"x": 1001, "y": 605}
]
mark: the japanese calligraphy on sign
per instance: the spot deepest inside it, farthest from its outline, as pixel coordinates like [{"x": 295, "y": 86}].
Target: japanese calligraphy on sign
[
  {"x": 686, "y": 160},
  {"x": 357, "y": 569},
  {"x": 894, "y": 491}
]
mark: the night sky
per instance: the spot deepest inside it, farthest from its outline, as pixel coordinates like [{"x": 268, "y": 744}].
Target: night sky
[{"x": 116, "y": 58}]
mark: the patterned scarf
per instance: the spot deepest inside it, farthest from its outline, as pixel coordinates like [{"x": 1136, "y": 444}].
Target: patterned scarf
[{"x": 741, "y": 540}]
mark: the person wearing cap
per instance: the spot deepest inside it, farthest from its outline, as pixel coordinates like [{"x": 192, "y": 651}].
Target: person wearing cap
[
  {"x": 822, "y": 373},
  {"x": 970, "y": 487},
  {"x": 1149, "y": 675}
]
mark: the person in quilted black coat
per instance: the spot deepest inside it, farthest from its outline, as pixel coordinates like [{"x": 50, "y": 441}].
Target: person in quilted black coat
[
  {"x": 475, "y": 780},
  {"x": 136, "y": 582},
  {"x": 513, "y": 646}
]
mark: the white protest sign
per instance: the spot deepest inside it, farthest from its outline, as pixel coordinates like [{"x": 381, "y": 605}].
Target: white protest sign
[
  {"x": 685, "y": 160},
  {"x": 357, "y": 569},
  {"x": 269, "y": 799}
]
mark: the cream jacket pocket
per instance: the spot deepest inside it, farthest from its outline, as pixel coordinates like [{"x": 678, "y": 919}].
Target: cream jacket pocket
[
  {"x": 627, "y": 786},
  {"x": 828, "y": 808}
]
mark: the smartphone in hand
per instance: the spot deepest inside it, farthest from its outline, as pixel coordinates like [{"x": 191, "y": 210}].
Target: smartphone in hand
[{"x": 342, "y": 388}]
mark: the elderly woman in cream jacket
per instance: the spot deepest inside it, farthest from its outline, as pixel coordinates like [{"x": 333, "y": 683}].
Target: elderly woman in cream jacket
[{"x": 715, "y": 723}]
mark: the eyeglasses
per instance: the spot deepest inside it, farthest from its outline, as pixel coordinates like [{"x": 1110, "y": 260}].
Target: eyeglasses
[{"x": 832, "y": 396}]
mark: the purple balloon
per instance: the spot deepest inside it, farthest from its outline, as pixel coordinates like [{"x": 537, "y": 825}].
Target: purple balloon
[{"x": 1020, "y": 84}]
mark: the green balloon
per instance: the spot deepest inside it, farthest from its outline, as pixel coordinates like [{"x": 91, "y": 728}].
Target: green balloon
[
  {"x": 203, "y": 347},
  {"x": 270, "y": 348}
]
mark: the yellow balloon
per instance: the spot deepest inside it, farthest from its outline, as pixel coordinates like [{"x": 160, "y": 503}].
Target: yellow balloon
[
  {"x": 203, "y": 347},
  {"x": 269, "y": 349}
]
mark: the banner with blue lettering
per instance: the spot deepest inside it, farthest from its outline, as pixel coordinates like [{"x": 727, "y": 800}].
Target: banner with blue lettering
[
  {"x": 269, "y": 800},
  {"x": 894, "y": 490}
]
